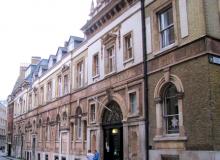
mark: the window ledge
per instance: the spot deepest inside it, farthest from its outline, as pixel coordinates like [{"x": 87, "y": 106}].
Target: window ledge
[
  {"x": 78, "y": 141},
  {"x": 95, "y": 76},
  {"x": 133, "y": 115},
  {"x": 128, "y": 61},
  {"x": 110, "y": 73},
  {"x": 166, "y": 49},
  {"x": 174, "y": 137},
  {"x": 93, "y": 122}
]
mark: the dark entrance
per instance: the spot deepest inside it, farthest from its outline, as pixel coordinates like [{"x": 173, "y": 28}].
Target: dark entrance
[
  {"x": 9, "y": 149},
  {"x": 113, "y": 132}
]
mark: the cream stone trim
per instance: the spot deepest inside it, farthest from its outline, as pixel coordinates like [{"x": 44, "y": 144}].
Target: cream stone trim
[
  {"x": 160, "y": 133},
  {"x": 130, "y": 114}
]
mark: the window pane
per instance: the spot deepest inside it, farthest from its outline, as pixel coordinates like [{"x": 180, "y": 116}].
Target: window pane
[
  {"x": 166, "y": 27},
  {"x": 171, "y": 112},
  {"x": 133, "y": 102}
]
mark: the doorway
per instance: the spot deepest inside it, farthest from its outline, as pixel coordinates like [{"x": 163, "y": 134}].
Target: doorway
[{"x": 113, "y": 132}]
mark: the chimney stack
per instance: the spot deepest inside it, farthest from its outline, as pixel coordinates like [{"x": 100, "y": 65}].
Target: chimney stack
[{"x": 23, "y": 68}]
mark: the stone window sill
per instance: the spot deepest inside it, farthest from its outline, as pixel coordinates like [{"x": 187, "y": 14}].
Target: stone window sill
[
  {"x": 174, "y": 137},
  {"x": 130, "y": 60},
  {"x": 166, "y": 49}
]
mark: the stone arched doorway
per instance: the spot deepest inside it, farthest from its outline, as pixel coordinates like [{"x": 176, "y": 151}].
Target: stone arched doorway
[{"x": 113, "y": 132}]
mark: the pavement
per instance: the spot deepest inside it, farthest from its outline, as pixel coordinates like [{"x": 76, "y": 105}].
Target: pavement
[{"x": 4, "y": 157}]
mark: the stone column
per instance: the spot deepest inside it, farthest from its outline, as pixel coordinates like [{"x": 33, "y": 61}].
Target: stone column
[
  {"x": 125, "y": 141},
  {"x": 159, "y": 120}
]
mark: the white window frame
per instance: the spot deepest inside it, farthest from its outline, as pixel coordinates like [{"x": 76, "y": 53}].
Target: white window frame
[
  {"x": 95, "y": 65},
  {"x": 127, "y": 48},
  {"x": 66, "y": 84},
  {"x": 136, "y": 113},
  {"x": 49, "y": 91},
  {"x": 80, "y": 73},
  {"x": 91, "y": 114},
  {"x": 164, "y": 29},
  {"x": 59, "y": 86},
  {"x": 110, "y": 58}
]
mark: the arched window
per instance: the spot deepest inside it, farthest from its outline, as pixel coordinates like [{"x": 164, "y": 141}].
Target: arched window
[
  {"x": 168, "y": 96},
  {"x": 78, "y": 123},
  {"x": 58, "y": 128},
  {"x": 170, "y": 109}
]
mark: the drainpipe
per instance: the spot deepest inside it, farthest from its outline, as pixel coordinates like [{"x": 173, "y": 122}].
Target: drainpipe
[{"x": 145, "y": 78}]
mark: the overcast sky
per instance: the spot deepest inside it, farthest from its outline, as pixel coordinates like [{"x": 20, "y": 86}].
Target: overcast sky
[{"x": 35, "y": 28}]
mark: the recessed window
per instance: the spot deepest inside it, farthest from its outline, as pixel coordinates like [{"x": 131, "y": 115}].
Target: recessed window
[
  {"x": 92, "y": 112},
  {"x": 95, "y": 65},
  {"x": 166, "y": 27},
  {"x": 42, "y": 95},
  {"x": 49, "y": 91},
  {"x": 79, "y": 77},
  {"x": 66, "y": 84},
  {"x": 110, "y": 60},
  {"x": 58, "y": 128},
  {"x": 48, "y": 130},
  {"x": 59, "y": 91},
  {"x": 128, "y": 47},
  {"x": 29, "y": 102},
  {"x": 78, "y": 123},
  {"x": 133, "y": 102},
  {"x": 72, "y": 131},
  {"x": 171, "y": 112}
]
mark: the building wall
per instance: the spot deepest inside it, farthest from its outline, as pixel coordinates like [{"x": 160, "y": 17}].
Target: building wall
[{"x": 3, "y": 126}]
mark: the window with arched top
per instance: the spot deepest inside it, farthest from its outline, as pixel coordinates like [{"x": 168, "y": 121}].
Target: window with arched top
[
  {"x": 78, "y": 123},
  {"x": 170, "y": 109},
  {"x": 168, "y": 96}
]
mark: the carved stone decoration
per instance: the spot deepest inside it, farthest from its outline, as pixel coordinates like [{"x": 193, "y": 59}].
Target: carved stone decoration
[
  {"x": 167, "y": 74},
  {"x": 110, "y": 37},
  {"x": 114, "y": 116},
  {"x": 109, "y": 94},
  {"x": 65, "y": 67},
  {"x": 35, "y": 89}
]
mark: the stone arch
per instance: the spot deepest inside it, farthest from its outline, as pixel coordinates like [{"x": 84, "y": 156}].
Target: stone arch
[
  {"x": 119, "y": 100},
  {"x": 162, "y": 83}
]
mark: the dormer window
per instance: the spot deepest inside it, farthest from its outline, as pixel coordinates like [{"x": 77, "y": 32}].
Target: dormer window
[{"x": 52, "y": 60}]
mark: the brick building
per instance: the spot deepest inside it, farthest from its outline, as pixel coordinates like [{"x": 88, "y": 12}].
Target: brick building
[
  {"x": 90, "y": 95},
  {"x": 3, "y": 125},
  {"x": 183, "y": 40}
]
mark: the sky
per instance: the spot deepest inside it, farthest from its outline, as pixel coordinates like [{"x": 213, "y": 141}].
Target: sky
[{"x": 35, "y": 28}]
